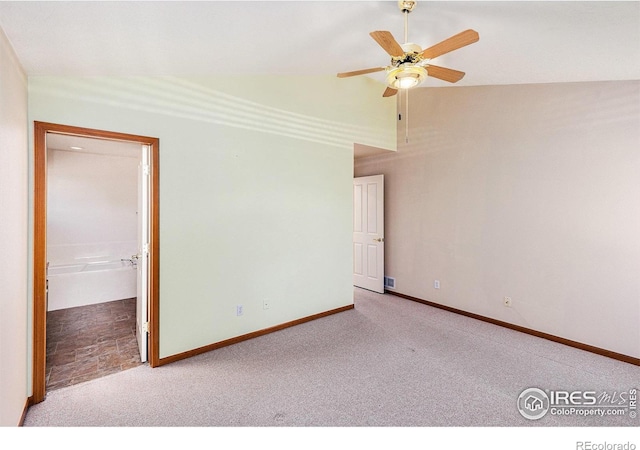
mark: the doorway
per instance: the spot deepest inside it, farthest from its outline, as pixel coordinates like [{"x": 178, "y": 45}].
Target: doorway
[{"x": 146, "y": 257}]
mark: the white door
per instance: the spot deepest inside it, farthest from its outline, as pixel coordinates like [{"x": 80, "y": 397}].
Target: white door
[
  {"x": 368, "y": 232},
  {"x": 142, "y": 257}
]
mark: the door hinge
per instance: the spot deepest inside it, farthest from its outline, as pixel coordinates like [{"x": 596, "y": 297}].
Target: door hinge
[
  {"x": 145, "y": 169},
  {"x": 145, "y": 249},
  {"x": 145, "y": 327}
]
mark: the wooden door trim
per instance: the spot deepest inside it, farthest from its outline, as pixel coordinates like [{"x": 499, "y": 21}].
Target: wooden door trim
[{"x": 40, "y": 243}]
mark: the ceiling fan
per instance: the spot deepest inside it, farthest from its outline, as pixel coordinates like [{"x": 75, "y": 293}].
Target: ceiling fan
[{"x": 410, "y": 64}]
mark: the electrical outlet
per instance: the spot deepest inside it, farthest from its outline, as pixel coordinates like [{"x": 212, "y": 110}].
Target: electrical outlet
[
  {"x": 507, "y": 302},
  {"x": 436, "y": 284},
  {"x": 266, "y": 304},
  {"x": 239, "y": 310}
]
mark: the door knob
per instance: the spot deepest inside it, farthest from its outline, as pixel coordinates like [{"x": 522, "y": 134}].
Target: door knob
[{"x": 379, "y": 240}]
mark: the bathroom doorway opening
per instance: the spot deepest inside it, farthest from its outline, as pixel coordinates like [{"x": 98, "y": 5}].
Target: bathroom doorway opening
[{"x": 127, "y": 270}]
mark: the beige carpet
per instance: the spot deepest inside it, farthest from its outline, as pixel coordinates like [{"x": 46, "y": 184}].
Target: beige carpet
[{"x": 389, "y": 362}]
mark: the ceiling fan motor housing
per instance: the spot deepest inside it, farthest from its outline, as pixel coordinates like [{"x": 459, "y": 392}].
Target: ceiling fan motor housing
[
  {"x": 412, "y": 55},
  {"x": 410, "y": 47}
]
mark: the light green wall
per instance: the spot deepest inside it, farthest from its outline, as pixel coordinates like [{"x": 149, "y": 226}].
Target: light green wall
[{"x": 255, "y": 189}]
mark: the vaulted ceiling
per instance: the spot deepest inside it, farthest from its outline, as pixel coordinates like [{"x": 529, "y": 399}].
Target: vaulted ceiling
[{"x": 520, "y": 41}]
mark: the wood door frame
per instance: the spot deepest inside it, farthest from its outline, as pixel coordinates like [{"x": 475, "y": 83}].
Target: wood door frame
[{"x": 40, "y": 243}]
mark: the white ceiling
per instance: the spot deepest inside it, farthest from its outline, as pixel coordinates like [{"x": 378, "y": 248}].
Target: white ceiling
[
  {"x": 63, "y": 142},
  {"x": 520, "y": 41}
]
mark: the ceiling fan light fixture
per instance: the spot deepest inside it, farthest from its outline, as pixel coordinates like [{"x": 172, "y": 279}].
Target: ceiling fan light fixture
[{"x": 406, "y": 77}]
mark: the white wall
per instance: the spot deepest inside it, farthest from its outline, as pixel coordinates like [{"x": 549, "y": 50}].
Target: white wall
[
  {"x": 92, "y": 202},
  {"x": 255, "y": 195},
  {"x": 14, "y": 191},
  {"x": 527, "y": 191},
  {"x": 91, "y": 206}
]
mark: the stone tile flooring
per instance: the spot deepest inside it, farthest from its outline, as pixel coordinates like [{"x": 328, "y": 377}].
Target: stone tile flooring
[{"x": 90, "y": 341}]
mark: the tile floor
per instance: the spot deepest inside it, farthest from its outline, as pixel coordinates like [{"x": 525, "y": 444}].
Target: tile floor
[{"x": 91, "y": 341}]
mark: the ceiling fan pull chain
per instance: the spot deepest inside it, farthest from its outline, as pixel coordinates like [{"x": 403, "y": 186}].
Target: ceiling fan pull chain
[{"x": 406, "y": 117}]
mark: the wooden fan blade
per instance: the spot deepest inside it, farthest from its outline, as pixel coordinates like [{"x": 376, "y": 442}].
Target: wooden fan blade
[
  {"x": 389, "y": 92},
  {"x": 360, "y": 72},
  {"x": 453, "y": 43},
  {"x": 442, "y": 73},
  {"x": 386, "y": 40}
]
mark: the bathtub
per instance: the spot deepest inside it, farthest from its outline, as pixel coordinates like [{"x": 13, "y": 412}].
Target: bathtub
[{"x": 72, "y": 285}]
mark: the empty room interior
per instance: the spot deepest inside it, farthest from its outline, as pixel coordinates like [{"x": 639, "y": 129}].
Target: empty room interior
[{"x": 208, "y": 163}]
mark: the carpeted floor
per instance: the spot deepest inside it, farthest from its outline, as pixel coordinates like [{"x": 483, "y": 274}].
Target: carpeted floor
[{"x": 389, "y": 362}]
